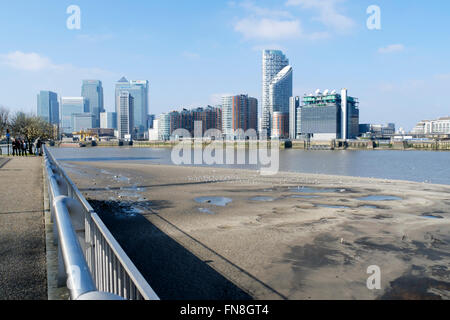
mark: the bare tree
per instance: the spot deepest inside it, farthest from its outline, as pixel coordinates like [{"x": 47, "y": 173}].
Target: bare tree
[{"x": 31, "y": 127}]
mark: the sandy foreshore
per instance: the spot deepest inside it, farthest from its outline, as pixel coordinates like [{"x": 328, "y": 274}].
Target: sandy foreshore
[{"x": 289, "y": 236}]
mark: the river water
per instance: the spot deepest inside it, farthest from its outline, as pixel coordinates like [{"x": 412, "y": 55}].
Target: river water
[{"x": 418, "y": 166}]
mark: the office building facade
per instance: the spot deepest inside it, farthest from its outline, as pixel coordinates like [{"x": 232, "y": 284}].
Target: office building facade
[
  {"x": 92, "y": 91},
  {"x": 440, "y": 126},
  {"x": 48, "y": 107},
  {"x": 108, "y": 120},
  {"x": 328, "y": 116},
  {"x": 138, "y": 90},
  {"x": 83, "y": 122},
  {"x": 125, "y": 103},
  {"x": 69, "y": 107},
  {"x": 274, "y": 61}
]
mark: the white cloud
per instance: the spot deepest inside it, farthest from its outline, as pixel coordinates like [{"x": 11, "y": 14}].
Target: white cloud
[
  {"x": 272, "y": 24},
  {"x": 392, "y": 48},
  {"x": 27, "y": 61},
  {"x": 327, "y": 13},
  {"x": 266, "y": 23},
  {"x": 36, "y": 63},
  {"x": 266, "y": 28}
]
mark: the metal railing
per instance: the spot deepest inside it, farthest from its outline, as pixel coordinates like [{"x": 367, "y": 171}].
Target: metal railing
[
  {"x": 4, "y": 149},
  {"x": 90, "y": 260}
]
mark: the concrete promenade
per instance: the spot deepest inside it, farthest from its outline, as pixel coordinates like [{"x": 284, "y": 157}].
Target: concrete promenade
[{"x": 23, "y": 274}]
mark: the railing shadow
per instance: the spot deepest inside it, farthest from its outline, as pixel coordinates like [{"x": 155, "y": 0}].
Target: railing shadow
[{"x": 170, "y": 269}]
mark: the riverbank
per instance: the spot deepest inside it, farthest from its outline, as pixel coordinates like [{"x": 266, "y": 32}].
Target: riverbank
[
  {"x": 302, "y": 145},
  {"x": 210, "y": 233}
]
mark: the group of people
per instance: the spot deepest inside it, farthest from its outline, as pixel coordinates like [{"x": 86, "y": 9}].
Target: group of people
[{"x": 21, "y": 147}]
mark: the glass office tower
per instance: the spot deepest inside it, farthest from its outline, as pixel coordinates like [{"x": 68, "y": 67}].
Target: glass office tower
[
  {"x": 138, "y": 89},
  {"x": 69, "y": 107},
  {"x": 125, "y": 121},
  {"x": 92, "y": 91},
  {"x": 48, "y": 107}
]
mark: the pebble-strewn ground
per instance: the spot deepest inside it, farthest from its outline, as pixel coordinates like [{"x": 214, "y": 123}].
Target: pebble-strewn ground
[{"x": 289, "y": 236}]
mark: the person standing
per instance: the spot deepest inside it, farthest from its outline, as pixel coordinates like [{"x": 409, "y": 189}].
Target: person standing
[
  {"x": 14, "y": 147},
  {"x": 39, "y": 146},
  {"x": 25, "y": 145},
  {"x": 19, "y": 147}
]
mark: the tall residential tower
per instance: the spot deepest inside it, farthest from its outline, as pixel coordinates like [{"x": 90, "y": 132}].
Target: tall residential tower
[
  {"x": 239, "y": 113},
  {"x": 274, "y": 62}
]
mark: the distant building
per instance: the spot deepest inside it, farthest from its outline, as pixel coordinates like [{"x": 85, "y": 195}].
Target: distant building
[
  {"x": 153, "y": 133},
  {"x": 48, "y": 107},
  {"x": 69, "y": 107},
  {"x": 440, "y": 126},
  {"x": 294, "y": 107},
  {"x": 239, "y": 112},
  {"x": 210, "y": 117},
  {"x": 150, "y": 119},
  {"x": 108, "y": 120},
  {"x": 125, "y": 103},
  {"x": 273, "y": 66},
  {"x": 280, "y": 127},
  {"x": 164, "y": 127},
  {"x": 83, "y": 121},
  {"x": 327, "y": 116},
  {"x": 92, "y": 91},
  {"x": 138, "y": 90},
  {"x": 377, "y": 130}
]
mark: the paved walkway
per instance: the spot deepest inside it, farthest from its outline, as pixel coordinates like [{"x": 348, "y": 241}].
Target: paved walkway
[{"x": 23, "y": 273}]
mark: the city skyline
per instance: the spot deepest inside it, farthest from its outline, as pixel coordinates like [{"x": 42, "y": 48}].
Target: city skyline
[{"x": 332, "y": 53}]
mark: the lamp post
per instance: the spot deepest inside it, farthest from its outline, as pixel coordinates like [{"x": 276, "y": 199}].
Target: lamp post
[{"x": 7, "y": 139}]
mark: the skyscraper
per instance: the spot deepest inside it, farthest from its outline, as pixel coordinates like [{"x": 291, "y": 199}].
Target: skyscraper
[
  {"x": 274, "y": 61},
  {"x": 48, "y": 107},
  {"x": 138, "y": 90},
  {"x": 92, "y": 91},
  {"x": 69, "y": 107},
  {"x": 125, "y": 103}
]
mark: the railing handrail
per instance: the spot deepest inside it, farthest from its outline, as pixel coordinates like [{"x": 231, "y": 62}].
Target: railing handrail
[
  {"x": 133, "y": 273},
  {"x": 80, "y": 279}
]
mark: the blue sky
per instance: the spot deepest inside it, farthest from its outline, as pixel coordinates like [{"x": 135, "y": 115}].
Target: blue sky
[{"x": 194, "y": 51}]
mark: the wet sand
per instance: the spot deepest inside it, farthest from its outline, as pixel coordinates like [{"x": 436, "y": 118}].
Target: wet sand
[{"x": 290, "y": 236}]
